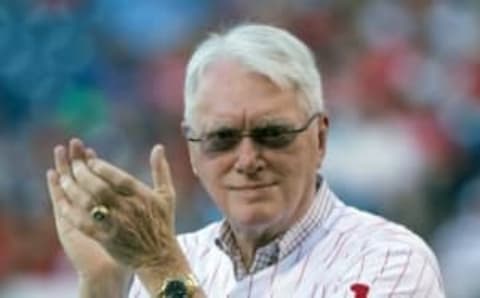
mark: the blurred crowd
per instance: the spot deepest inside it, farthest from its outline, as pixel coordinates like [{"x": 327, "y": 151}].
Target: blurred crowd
[{"x": 402, "y": 88}]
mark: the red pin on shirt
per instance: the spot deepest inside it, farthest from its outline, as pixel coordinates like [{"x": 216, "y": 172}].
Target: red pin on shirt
[{"x": 360, "y": 290}]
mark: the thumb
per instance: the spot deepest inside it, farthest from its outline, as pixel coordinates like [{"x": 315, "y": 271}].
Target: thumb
[{"x": 161, "y": 177}]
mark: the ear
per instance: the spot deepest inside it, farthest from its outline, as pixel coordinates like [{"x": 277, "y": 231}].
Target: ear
[{"x": 323, "y": 123}]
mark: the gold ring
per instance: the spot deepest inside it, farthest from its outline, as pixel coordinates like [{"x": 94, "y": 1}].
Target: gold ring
[{"x": 99, "y": 212}]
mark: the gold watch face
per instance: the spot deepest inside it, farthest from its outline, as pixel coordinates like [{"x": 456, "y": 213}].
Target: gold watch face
[
  {"x": 176, "y": 288},
  {"x": 182, "y": 287}
]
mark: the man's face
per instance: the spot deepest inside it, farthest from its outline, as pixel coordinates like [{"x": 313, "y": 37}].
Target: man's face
[{"x": 259, "y": 189}]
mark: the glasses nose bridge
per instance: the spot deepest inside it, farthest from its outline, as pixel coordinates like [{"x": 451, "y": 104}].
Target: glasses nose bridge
[
  {"x": 245, "y": 134},
  {"x": 248, "y": 134},
  {"x": 248, "y": 159}
]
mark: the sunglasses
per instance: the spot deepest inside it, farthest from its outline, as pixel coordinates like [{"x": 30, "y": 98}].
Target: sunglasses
[{"x": 272, "y": 136}]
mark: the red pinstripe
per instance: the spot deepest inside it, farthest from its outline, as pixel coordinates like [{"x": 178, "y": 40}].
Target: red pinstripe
[
  {"x": 204, "y": 252},
  {"x": 339, "y": 237},
  {"x": 361, "y": 268},
  {"x": 420, "y": 277},
  {"x": 387, "y": 256},
  {"x": 344, "y": 233},
  {"x": 305, "y": 263},
  {"x": 336, "y": 250},
  {"x": 405, "y": 266}
]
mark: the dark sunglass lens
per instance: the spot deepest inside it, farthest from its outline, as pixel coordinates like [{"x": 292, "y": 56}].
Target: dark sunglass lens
[
  {"x": 273, "y": 136},
  {"x": 222, "y": 140}
]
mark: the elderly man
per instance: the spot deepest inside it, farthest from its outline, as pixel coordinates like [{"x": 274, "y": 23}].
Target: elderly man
[{"x": 256, "y": 128}]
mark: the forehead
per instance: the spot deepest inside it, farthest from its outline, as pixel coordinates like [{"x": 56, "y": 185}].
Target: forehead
[{"x": 229, "y": 92}]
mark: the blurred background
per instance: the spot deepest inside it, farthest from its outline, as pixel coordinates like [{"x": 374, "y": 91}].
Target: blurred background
[{"x": 402, "y": 86}]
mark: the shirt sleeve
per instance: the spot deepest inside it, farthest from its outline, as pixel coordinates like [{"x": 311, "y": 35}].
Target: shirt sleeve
[{"x": 391, "y": 272}]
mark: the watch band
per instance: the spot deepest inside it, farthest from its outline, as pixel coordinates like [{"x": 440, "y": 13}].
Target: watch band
[{"x": 179, "y": 287}]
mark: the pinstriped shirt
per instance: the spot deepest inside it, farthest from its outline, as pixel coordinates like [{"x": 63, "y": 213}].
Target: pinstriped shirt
[{"x": 346, "y": 253}]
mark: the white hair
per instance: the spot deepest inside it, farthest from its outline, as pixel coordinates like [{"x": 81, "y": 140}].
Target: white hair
[{"x": 263, "y": 49}]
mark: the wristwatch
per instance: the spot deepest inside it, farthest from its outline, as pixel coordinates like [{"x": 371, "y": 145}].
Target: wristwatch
[{"x": 179, "y": 287}]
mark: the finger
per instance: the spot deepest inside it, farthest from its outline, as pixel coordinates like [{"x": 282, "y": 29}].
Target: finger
[
  {"x": 85, "y": 178},
  {"x": 162, "y": 180},
  {"x": 91, "y": 183},
  {"x": 55, "y": 191},
  {"x": 76, "y": 149},
  {"x": 122, "y": 182},
  {"x": 77, "y": 195},
  {"x": 61, "y": 160},
  {"x": 161, "y": 176},
  {"x": 90, "y": 153},
  {"x": 66, "y": 181}
]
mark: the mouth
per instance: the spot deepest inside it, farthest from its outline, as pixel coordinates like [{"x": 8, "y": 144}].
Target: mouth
[{"x": 251, "y": 186}]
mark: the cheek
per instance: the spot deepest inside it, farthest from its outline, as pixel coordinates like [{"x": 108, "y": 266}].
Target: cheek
[
  {"x": 296, "y": 163},
  {"x": 311, "y": 156},
  {"x": 296, "y": 167},
  {"x": 211, "y": 173}
]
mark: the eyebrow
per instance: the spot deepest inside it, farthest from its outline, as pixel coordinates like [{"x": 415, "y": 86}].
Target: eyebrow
[
  {"x": 273, "y": 121},
  {"x": 222, "y": 124},
  {"x": 257, "y": 124}
]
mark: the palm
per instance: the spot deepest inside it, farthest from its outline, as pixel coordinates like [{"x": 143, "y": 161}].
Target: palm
[{"x": 87, "y": 255}]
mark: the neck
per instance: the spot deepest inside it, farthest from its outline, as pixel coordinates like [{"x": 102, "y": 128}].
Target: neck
[
  {"x": 248, "y": 243},
  {"x": 248, "y": 240}
]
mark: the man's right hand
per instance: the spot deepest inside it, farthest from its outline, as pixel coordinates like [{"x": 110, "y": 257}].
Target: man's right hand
[{"x": 99, "y": 274}]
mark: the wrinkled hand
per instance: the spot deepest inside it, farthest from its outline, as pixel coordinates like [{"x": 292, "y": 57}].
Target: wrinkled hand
[
  {"x": 88, "y": 257},
  {"x": 138, "y": 231}
]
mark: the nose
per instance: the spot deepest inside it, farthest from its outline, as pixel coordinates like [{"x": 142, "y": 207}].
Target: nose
[{"x": 248, "y": 158}]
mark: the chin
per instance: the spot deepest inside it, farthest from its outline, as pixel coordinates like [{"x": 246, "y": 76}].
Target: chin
[{"x": 254, "y": 219}]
